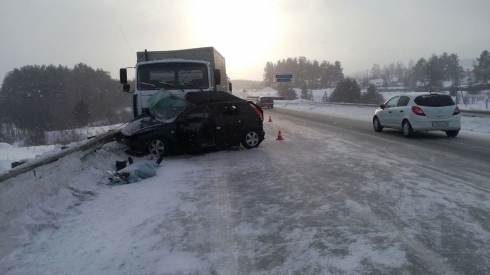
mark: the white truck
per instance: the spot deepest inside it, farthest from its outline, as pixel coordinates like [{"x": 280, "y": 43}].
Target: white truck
[{"x": 189, "y": 70}]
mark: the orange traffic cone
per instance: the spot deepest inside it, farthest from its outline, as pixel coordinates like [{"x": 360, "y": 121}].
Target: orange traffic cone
[
  {"x": 270, "y": 119},
  {"x": 279, "y": 136}
]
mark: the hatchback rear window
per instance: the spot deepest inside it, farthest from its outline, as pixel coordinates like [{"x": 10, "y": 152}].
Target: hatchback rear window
[{"x": 434, "y": 100}]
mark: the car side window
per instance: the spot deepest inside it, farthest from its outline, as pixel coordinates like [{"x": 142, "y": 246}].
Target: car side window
[
  {"x": 392, "y": 102},
  {"x": 403, "y": 101},
  {"x": 227, "y": 110},
  {"x": 194, "y": 118}
]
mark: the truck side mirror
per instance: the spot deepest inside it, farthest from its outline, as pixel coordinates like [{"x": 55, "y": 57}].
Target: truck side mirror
[
  {"x": 123, "y": 76},
  {"x": 217, "y": 76},
  {"x": 126, "y": 87}
]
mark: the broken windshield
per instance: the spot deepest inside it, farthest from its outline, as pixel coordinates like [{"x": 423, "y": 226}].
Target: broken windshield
[
  {"x": 181, "y": 75},
  {"x": 166, "y": 106}
]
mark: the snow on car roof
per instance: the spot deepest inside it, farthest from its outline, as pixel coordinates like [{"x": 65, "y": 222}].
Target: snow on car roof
[{"x": 206, "y": 97}]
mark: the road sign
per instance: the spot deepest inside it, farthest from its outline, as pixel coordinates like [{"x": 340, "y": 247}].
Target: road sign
[
  {"x": 283, "y": 79},
  {"x": 284, "y": 76}
]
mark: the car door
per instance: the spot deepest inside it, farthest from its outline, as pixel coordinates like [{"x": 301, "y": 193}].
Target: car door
[
  {"x": 190, "y": 129},
  {"x": 229, "y": 123},
  {"x": 385, "y": 115},
  {"x": 398, "y": 112}
]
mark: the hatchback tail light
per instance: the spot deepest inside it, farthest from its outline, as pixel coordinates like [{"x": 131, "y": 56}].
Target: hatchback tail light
[
  {"x": 456, "y": 111},
  {"x": 257, "y": 111},
  {"x": 416, "y": 110}
]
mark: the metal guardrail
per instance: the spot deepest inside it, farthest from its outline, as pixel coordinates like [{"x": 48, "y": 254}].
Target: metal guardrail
[{"x": 94, "y": 143}]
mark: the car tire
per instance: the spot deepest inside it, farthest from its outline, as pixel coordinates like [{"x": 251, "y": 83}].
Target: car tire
[
  {"x": 377, "y": 125},
  {"x": 158, "y": 147},
  {"x": 407, "y": 129},
  {"x": 452, "y": 133},
  {"x": 251, "y": 139},
  {"x": 272, "y": 107}
]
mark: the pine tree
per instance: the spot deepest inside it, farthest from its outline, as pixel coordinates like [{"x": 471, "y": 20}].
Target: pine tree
[
  {"x": 306, "y": 93},
  {"x": 81, "y": 112},
  {"x": 325, "y": 97},
  {"x": 372, "y": 96},
  {"x": 482, "y": 70},
  {"x": 347, "y": 90},
  {"x": 286, "y": 92}
]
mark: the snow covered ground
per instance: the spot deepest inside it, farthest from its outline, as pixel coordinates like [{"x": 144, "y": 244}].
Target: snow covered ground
[
  {"x": 62, "y": 218},
  {"x": 474, "y": 124},
  {"x": 473, "y": 104}
]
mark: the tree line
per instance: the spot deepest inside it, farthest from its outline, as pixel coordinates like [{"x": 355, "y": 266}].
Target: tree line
[
  {"x": 428, "y": 74},
  {"x": 51, "y": 98}
]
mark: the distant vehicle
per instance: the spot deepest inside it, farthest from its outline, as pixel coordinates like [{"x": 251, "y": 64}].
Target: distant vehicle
[
  {"x": 178, "y": 122},
  {"x": 265, "y": 101},
  {"x": 414, "y": 112},
  {"x": 187, "y": 70}
]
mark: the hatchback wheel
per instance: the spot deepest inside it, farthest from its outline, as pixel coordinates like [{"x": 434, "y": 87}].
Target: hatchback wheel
[
  {"x": 407, "y": 129},
  {"x": 376, "y": 125},
  {"x": 452, "y": 133},
  {"x": 251, "y": 139},
  {"x": 158, "y": 147}
]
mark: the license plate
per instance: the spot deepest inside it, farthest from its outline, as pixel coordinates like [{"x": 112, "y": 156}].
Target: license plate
[{"x": 440, "y": 124}]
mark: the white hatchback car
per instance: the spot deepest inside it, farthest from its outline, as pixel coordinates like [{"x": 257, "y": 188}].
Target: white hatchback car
[{"x": 413, "y": 112}]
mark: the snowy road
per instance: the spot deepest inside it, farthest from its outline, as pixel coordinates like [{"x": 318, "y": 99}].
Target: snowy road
[{"x": 332, "y": 198}]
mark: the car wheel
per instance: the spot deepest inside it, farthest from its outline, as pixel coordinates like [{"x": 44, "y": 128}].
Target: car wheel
[
  {"x": 158, "y": 147},
  {"x": 407, "y": 129},
  {"x": 251, "y": 139},
  {"x": 452, "y": 133},
  {"x": 272, "y": 106},
  {"x": 376, "y": 125}
]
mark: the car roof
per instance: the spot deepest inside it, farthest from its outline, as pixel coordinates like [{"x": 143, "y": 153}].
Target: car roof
[
  {"x": 210, "y": 97},
  {"x": 415, "y": 94}
]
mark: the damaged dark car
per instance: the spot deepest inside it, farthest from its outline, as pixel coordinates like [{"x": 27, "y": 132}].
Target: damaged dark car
[{"x": 178, "y": 122}]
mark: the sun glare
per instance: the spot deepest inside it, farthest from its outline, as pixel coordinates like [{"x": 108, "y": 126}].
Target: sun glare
[{"x": 245, "y": 32}]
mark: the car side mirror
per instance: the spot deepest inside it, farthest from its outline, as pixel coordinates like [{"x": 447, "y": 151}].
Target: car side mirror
[
  {"x": 126, "y": 87},
  {"x": 382, "y": 106},
  {"x": 230, "y": 86}
]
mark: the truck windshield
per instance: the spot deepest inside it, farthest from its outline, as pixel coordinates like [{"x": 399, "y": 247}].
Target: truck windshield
[{"x": 184, "y": 75}]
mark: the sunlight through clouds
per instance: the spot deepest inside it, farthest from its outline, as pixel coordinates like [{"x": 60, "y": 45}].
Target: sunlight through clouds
[{"x": 245, "y": 32}]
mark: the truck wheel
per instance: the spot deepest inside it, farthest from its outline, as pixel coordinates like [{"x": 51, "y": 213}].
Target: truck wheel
[
  {"x": 251, "y": 139},
  {"x": 158, "y": 147}
]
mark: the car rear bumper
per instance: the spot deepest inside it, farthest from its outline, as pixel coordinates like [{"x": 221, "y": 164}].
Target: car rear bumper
[{"x": 429, "y": 126}]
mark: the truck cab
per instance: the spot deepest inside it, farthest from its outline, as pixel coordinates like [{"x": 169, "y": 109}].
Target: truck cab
[{"x": 181, "y": 71}]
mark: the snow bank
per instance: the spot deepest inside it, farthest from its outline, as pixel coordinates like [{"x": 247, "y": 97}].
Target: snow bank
[
  {"x": 9, "y": 153},
  {"x": 4, "y": 145},
  {"x": 35, "y": 200}
]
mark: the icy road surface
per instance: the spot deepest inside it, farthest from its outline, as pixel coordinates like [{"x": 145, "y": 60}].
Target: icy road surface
[{"x": 332, "y": 198}]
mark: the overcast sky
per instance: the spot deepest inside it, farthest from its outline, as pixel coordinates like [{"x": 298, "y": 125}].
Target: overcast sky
[{"x": 106, "y": 34}]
